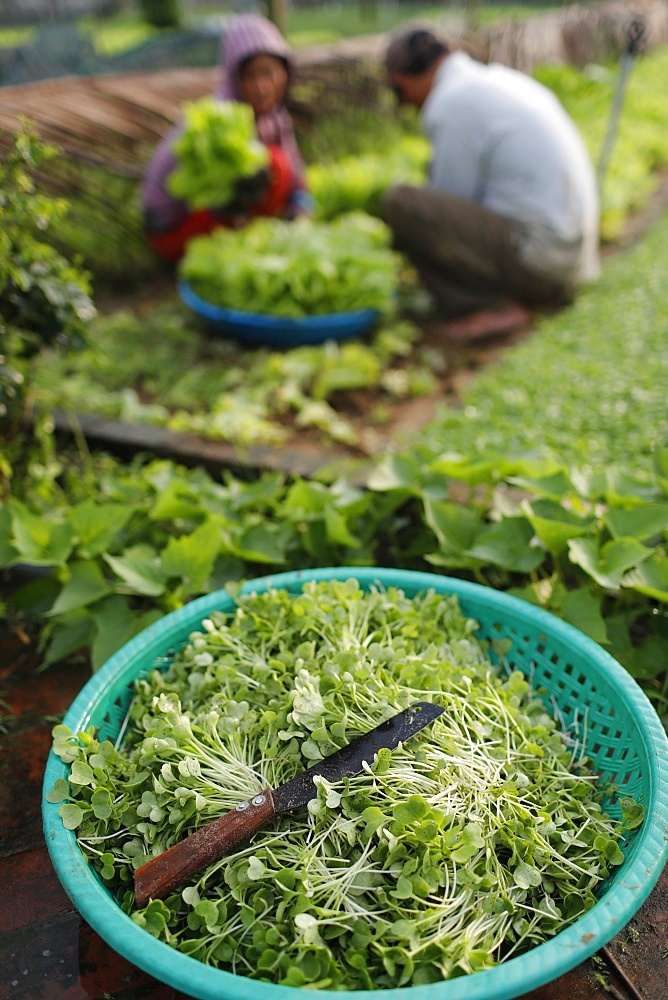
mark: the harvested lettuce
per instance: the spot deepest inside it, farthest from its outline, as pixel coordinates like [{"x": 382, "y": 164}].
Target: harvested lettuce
[
  {"x": 217, "y": 147},
  {"x": 292, "y": 269}
]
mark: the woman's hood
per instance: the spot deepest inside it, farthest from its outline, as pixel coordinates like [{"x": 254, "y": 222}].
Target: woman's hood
[{"x": 248, "y": 35}]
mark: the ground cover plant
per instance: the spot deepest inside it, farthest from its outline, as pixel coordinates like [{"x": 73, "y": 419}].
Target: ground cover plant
[
  {"x": 118, "y": 545},
  {"x": 191, "y": 381},
  {"x": 614, "y": 410},
  {"x": 445, "y": 856}
]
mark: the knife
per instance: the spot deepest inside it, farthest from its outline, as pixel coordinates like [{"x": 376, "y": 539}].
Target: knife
[{"x": 164, "y": 873}]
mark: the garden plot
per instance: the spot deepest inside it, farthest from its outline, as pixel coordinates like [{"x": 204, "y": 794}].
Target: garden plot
[
  {"x": 111, "y": 547},
  {"x": 192, "y": 394},
  {"x": 155, "y": 377}
]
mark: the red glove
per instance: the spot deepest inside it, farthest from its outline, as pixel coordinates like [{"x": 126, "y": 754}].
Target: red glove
[
  {"x": 273, "y": 199},
  {"x": 281, "y": 183}
]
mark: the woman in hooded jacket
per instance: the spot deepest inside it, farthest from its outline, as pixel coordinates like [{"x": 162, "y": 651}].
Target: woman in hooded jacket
[{"x": 256, "y": 66}]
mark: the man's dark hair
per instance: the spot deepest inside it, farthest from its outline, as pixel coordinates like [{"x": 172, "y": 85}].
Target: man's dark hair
[{"x": 413, "y": 51}]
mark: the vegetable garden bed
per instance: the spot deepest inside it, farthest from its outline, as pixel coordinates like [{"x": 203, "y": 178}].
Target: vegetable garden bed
[
  {"x": 295, "y": 410},
  {"x": 370, "y": 396},
  {"x": 300, "y": 410}
]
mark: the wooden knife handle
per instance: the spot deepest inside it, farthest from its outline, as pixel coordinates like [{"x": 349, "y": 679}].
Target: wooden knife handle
[{"x": 161, "y": 875}]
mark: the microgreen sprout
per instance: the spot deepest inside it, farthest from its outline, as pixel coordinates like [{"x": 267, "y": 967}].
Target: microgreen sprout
[{"x": 477, "y": 839}]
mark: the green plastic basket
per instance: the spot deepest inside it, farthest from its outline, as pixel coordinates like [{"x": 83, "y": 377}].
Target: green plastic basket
[{"x": 586, "y": 685}]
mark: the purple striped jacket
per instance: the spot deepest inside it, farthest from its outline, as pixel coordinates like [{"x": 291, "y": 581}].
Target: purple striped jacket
[{"x": 247, "y": 35}]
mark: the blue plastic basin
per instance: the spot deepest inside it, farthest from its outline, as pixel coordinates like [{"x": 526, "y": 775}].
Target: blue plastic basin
[{"x": 279, "y": 331}]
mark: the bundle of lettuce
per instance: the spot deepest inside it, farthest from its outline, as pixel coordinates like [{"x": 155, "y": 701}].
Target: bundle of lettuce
[
  {"x": 217, "y": 147},
  {"x": 295, "y": 269},
  {"x": 357, "y": 183}
]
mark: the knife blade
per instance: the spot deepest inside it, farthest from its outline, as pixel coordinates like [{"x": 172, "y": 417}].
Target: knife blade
[{"x": 161, "y": 875}]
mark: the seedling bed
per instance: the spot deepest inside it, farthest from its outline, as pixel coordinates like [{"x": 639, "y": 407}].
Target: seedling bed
[{"x": 305, "y": 450}]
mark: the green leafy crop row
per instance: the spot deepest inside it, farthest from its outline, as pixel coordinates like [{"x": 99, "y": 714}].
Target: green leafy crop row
[
  {"x": 215, "y": 388},
  {"x": 587, "y": 386},
  {"x": 590, "y": 383}
]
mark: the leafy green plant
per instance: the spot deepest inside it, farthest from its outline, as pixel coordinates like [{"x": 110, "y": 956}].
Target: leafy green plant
[
  {"x": 588, "y": 546},
  {"x": 212, "y": 386},
  {"x": 216, "y": 148},
  {"x": 357, "y": 183},
  {"x": 293, "y": 269},
  {"x": 133, "y": 543},
  {"x": 583, "y": 386},
  {"x": 44, "y": 299}
]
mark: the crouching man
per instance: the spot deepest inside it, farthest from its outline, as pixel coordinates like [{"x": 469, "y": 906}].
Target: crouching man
[{"x": 507, "y": 222}]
